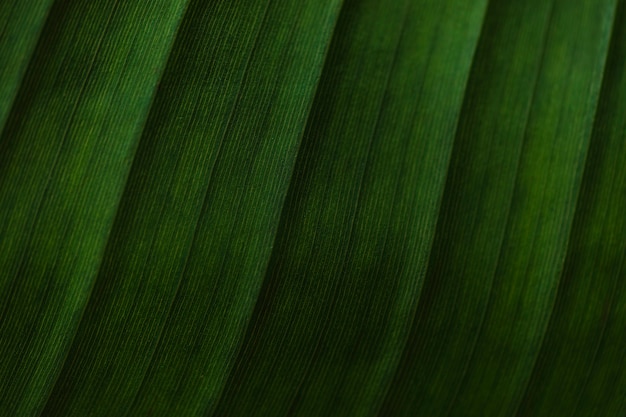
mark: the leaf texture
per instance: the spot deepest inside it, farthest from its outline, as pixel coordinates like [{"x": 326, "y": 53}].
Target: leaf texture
[
  {"x": 581, "y": 359},
  {"x": 314, "y": 207},
  {"x": 21, "y": 22},
  {"x": 496, "y": 297},
  {"x": 354, "y": 231},
  {"x": 221, "y": 187},
  {"x": 65, "y": 152}
]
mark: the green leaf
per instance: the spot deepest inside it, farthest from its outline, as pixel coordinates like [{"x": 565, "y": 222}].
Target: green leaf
[
  {"x": 360, "y": 214},
  {"x": 509, "y": 201},
  {"x": 236, "y": 90},
  {"x": 65, "y": 152},
  {"x": 583, "y": 338},
  {"x": 305, "y": 208},
  {"x": 21, "y": 22}
]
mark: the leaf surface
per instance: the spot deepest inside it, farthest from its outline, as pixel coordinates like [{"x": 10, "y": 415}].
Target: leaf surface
[
  {"x": 21, "y": 22},
  {"x": 347, "y": 267},
  {"x": 314, "y": 207},
  {"x": 580, "y": 370},
  {"x": 65, "y": 153},
  {"x": 507, "y": 210},
  {"x": 194, "y": 230}
]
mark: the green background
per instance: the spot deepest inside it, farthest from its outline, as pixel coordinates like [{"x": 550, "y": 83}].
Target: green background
[{"x": 313, "y": 208}]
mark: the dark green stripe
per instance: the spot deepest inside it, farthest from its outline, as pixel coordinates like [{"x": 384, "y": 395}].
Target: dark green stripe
[
  {"x": 580, "y": 369},
  {"x": 64, "y": 156},
  {"x": 358, "y": 221}
]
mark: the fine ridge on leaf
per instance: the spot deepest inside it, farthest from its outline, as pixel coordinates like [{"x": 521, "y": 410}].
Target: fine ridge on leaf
[
  {"x": 545, "y": 195},
  {"x": 210, "y": 174},
  {"x": 563, "y": 379},
  {"x": 21, "y": 22},
  {"x": 342, "y": 270},
  {"x": 64, "y": 154},
  {"x": 310, "y": 208},
  {"x": 475, "y": 209}
]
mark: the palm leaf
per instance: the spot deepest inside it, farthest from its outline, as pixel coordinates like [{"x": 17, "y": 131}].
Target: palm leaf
[{"x": 345, "y": 208}]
